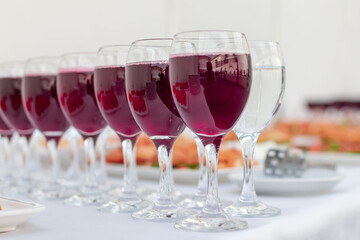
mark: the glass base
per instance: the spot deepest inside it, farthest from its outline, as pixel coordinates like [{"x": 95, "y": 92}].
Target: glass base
[
  {"x": 142, "y": 192},
  {"x": 157, "y": 213},
  {"x": 252, "y": 209},
  {"x": 105, "y": 186},
  {"x": 90, "y": 196},
  {"x": 192, "y": 203},
  {"x": 177, "y": 196},
  {"x": 50, "y": 191},
  {"x": 205, "y": 222},
  {"x": 127, "y": 201},
  {"x": 198, "y": 203},
  {"x": 84, "y": 200},
  {"x": 23, "y": 185},
  {"x": 119, "y": 206},
  {"x": 8, "y": 191}
]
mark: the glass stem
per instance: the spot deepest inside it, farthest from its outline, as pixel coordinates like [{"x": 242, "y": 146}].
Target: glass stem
[
  {"x": 164, "y": 198},
  {"x": 248, "y": 142},
  {"x": 202, "y": 183},
  {"x": 212, "y": 205},
  {"x": 130, "y": 176},
  {"x": 54, "y": 157},
  {"x": 90, "y": 157},
  {"x": 170, "y": 174},
  {"x": 102, "y": 175},
  {"x": 27, "y": 158},
  {"x": 6, "y": 153},
  {"x": 16, "y": 156},
  {"x": 2, "y": 156},
  {"x": 74, "y": 174}
]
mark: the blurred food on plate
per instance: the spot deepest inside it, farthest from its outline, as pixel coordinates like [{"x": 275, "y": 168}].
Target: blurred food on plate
[
  {"x": 315, "y": 136},
  {"x": 184, "y": 152}
]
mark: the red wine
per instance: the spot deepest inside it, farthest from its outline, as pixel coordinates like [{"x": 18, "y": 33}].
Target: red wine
[
  {"x": 151, "y": 103},
  {"x": 77, "y": 98},
  {"x": 5, "y": 130},
  {"x": 11, "y": 107},
  {"x": 210, "y": 90},
  {"x": 42, "y": 106},
  {"x": 112, "y": 101}
]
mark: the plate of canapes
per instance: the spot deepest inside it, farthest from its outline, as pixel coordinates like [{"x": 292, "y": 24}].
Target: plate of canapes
[{"x": 337, "y": 143}]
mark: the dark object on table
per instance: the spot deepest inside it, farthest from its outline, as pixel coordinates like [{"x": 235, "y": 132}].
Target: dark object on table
[{"x": 280, "y": 163}]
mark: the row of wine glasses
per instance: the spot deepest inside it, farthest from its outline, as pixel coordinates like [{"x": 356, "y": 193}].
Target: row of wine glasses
[{"x": 209, "y": 81}]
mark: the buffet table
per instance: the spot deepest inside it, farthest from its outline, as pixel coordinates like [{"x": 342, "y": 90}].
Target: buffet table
[{"x": 333, "y": 215}]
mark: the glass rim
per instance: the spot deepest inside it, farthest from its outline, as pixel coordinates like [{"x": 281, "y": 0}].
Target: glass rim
[
  {"x": 271, "y": 43},
  {"x": 77, "y": 54},
  {"x": 41, "y": 58},
  {"x": 113, "y": 46},
  {"x": 178, "y": 35},
  {"x": 138, "y": 43}
]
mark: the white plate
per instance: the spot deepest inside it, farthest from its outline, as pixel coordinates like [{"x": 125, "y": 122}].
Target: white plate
[
  {"x": 180, "y": 175},
  {"x": 313, "y": 181},
  {"x": 334, "y": 158},
  {"x": 15, "y": 212}
]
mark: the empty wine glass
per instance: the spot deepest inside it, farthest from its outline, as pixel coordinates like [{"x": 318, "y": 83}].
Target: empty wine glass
[
  {"x": 151, "y": 104},
  {"x": 265, "y": 98},
  {"x": 75, "y": 88},
  {"x": 112, "y": 101},
  {"x": 210, "y": 77},
  {"x": 39, "y": 97}
]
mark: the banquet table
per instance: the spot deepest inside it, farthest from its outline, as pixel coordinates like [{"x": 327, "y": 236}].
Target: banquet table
[{"x": 331, "y": 215}]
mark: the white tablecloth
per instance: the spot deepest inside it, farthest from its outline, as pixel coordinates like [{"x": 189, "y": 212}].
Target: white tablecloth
[{"x": 334, "y": 215}]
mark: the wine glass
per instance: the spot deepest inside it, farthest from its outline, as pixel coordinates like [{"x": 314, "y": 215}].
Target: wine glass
[
  {"x": 42, "y": 108},
  {"x": 151, "y": 104},
  {"x": 210, "y": 77},
  {"x": 265, "y": 99},
  {"x": 111, "y": 98},
  {"x": 75, "y": 89},
  {"x": 13, "y": 114}
]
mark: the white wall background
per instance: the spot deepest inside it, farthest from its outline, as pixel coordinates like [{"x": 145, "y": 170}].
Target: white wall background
[{"x": 320, "y": 38}]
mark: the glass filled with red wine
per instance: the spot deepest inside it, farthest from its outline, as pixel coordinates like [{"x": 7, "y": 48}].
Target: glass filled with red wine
[
  {"x": 210, "y": 79},
  {"x": 40, "y": 99},
  {"x": 76, "y": 95},
  {"x": 12, "y": 112},
  {"x": 111, "y": 97},
  {"x": 151, "y": 104},
  {"x": 11, "y": 108},
  {"x": 267, "y": 90}
]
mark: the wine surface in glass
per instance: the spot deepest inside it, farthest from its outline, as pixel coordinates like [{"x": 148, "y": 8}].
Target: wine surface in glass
[
  {"x": 77, "y": 98},
  {"x": 113, "y": 104},
  {"x": 11, "y": 106},
  {"x": 210, "y": 90},
  {"x": 40, "y": 98},
  {"x": 151, "y": 103}
]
